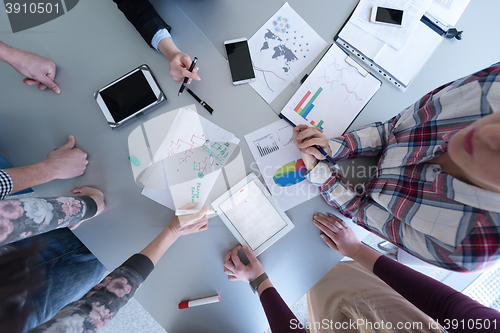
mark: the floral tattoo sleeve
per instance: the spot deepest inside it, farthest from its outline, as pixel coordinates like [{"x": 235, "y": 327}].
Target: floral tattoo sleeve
[
  {"x": 32, "y": 216},
  {"x": 94, "y": 310}
]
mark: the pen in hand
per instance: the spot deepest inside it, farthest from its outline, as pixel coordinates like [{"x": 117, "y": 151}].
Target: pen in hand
[{"x": 186, "y": 79}]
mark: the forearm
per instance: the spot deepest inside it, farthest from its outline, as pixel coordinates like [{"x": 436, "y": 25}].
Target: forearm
[
  {"x": 6, "y": 53},
  {"x": 32, "y": 216},
  {"x": 29, "y": 175},
  {"x": 94, "y": 310},
  {"x": 155, "y": 250},
  {"x": 366, "y": 256},
  {"x": 434, "y": 298},
  {"x": 168, "y": 48},
  {"x": 279, "y": 315}
]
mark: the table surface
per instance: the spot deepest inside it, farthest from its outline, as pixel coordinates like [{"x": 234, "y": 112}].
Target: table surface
[{"x": 93, "y": 44}]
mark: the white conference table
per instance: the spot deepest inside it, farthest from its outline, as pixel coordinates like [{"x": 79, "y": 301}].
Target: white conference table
[{"x": 94, "y": 44}]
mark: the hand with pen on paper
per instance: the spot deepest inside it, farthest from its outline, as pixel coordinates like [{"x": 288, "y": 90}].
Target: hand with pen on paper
[{"x": 305, "y": 138}]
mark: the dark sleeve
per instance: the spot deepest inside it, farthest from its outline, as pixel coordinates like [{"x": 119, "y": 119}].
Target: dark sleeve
[
  {"x": 94, "y": 310},
  {"x": 27, "y": 217},
  {"x": 143, "y": 16},
  {"x": 279, "y": 315},
  {"x": 437, "y": 300}
]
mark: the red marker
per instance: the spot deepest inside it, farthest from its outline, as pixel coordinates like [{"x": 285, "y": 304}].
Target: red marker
[{"x": 201, "y": 301}]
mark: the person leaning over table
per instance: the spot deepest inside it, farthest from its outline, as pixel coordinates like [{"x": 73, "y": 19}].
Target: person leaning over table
[
  {"x": 436, "y": 192},
  {"x": 156, "y": 33},
  {"x": 35, "y": 68},
  {"x": 372, "y": 294},
  {"x": 101, "y": 303}
]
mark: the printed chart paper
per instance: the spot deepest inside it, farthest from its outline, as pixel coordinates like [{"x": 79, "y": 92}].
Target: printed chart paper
[
  {"x": 188, "y": 161},
  {"x": 280, "y": 164},
  {"x": 281, "y": 49},
  {"x": 333, "y": 94}
]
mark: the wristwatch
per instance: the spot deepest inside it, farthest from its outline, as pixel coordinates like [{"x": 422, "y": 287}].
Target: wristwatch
[{"x": 254, "y": 285}]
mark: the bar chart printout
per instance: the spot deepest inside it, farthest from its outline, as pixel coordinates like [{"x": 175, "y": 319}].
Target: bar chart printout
[
  {"x": 266, "y": 145},
  {"x": 304, "y": 112}
]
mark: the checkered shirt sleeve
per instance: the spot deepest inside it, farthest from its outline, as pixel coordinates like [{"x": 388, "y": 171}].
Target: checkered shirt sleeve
[{"x": 6, "y": 184}]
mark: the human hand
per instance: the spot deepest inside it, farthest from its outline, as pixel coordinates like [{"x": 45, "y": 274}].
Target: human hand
[
  {"x": 95, "y": 194},
  {"x": 188, "y": 224},
  {"x": 66, "y": 161},
  {"x": 179, "y": 66},
  {"x": 337, "y": 235},
  {"x": 36, "y": 69},
  {"x": 236, "y": 270},
  {"x": 305, "y": 138}
]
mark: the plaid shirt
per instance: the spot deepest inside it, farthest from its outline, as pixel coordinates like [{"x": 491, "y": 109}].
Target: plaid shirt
[
  {"x": 6, "y": 185},
  {"x": 410, "y": 202}
]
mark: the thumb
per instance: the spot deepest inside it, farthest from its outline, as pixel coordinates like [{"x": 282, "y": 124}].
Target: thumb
[
  {"x": 70, "y": 142},
  {"x": 249, "y": 254}
]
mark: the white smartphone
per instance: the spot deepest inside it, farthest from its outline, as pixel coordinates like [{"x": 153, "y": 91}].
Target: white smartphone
[
  {"x": 388, "y": 16},
  {"x": 129, "y": 97},
  {"x": 240, "y": 62}
]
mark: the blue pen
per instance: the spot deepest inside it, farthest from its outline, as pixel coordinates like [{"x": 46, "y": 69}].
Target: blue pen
[{"x": 328, "y": 157}]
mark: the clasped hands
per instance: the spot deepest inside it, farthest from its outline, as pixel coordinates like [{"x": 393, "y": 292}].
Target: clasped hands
[{"x": 305, "y": 138}]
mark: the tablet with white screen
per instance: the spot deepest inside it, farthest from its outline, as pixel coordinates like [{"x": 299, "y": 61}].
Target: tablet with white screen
[{"x": 249, "y": 212}]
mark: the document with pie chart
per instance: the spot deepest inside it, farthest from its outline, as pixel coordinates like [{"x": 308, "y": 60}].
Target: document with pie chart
[{"x": 280, "y": 164}]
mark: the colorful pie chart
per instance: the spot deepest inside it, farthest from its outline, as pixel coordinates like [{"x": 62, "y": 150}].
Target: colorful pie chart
[{"x": 290, "y": 174}]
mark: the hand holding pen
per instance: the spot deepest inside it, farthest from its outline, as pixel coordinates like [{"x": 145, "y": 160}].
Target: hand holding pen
[
  {"x": 313, "y": 145},
  {"x": 186, "y": 79}
]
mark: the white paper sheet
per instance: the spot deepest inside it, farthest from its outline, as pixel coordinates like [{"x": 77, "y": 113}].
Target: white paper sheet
[
  {"x": 397, "y": 37},
  {"x": 272, "y": 147},
  {"x": 281, "y": 49},
  {"x": 333, "y": 94},
  {"x": 447, "y": 11},
  {"x": 188, "y": 161}
]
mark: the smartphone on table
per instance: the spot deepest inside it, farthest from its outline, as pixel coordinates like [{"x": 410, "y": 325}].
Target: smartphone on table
[
  {"x": 388, "y": 16},
  {"x": 240, "y": 61}
]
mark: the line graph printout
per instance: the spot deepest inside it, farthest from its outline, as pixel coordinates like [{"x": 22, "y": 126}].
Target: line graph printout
[
  {"x": 286, "y": 194},
  {"x": 188, "y": 161},
  {"x": 281, "y": 49},
  {"x": 333, "y": 94}
]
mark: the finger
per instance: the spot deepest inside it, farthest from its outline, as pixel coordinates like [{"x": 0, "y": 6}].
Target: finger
[
  {"x": 42, "y": 86},
  {"x": 249, "y": 254},
  {"x": 330, "y": 243},
  {"x": 48, "y": 79},
  {"x": 325, "y": 230},
  {"x": 70, "y": 142},
  {"x": 232, "y": 278},
  {"x": 201, "y": 214},
  {"x": 189, "y": 205},
  {"x": 315, "y": 152},
  {"x": 298, "y": 129},
  {"x": 228, "y": 271},
  {"x": 234, "y": 257},
  {"x": 229, "y": 264},
  {"x": 313, "y": 141},
  {"x": 327, "y": 222},
  {"x": 190, "y": 75},
  {"x": 30, "y": 82},
  {"x": 338, "y": 219},
  {"x": 78, "y": 150},
  {"x": 309, "y": 132}
]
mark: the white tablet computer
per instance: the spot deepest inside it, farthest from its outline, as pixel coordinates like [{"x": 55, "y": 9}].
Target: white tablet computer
[
  {"x": 249, "y": 212},
  {"x": 129, "y": 97}
]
